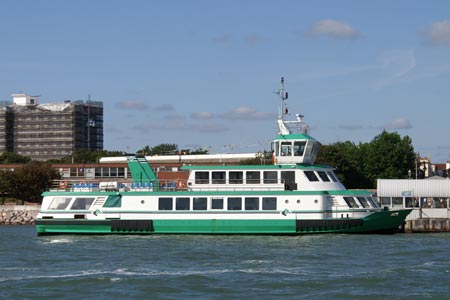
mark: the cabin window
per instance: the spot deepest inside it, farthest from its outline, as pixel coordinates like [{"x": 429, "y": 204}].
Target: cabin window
[
  {"x": 165, "y": 203},
  {"x": 363, "y": 201},
  {"x": 234, "y": 203},
  {"x": 182, "y": 204},
  {"x": 236, "y": 177},
  {"x": 217, "y": 203},
  {"x": 286, "y": 148},
  {"x": 252, "y": 203},
  {"x": 199, "y": 203},
  {"x": 218, "y": 177},
  {"x": 270, "y": 176},
  {"x": 332, "y": 176},
  {"x": 323, "y": 176},
  {"x": 82, "y": 203},
  {"x": 269, "y": 203},
  {"x": 59, "y": 203},
  {"x": 311, "y": 175},
  {"x": 372, "y": 202},
  {"x": 253, "y": 177},
  {"x": 299, "y": 148},
  {"x": 351, "y": 202},
  {"x": 201, "y": 177}
]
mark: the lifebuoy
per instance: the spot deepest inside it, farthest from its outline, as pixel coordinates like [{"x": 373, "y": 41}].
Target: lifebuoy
[
  {"x": 181, "y": 184},
  {"x": 63, "y": 184}
]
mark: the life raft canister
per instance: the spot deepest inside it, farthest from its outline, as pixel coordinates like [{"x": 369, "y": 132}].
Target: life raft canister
[{"x": 181, "y": 184}]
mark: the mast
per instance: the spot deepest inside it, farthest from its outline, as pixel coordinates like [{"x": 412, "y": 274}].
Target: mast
[{"x": 282, "y": 127}]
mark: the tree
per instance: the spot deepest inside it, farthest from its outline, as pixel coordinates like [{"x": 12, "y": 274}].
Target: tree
[
  {"x": 165, "y": 149},
  {"x": 28, "y": 182},
  {"x": 388, "y": 156},
  {"x": 12, "y": 157},
  {"x": 347, "y": 160}
]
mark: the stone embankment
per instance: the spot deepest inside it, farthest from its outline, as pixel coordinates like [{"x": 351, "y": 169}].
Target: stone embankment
[
  {"x": 18, "y": 214},
  {"x": 427, "y": 225}
]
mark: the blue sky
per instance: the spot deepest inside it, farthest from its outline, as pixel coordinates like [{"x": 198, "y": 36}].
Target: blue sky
[{"x": 201, "y": 73}]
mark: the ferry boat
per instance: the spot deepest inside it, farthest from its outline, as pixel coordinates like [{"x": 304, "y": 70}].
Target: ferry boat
[{"x": 292, "y": 196}]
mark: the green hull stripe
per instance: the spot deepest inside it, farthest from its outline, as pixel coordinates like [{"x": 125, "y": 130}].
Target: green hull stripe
[{"x": 385, "y": 221}]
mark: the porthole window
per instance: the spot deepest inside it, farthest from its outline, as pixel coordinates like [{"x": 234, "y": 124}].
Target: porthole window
[
  {"x": 142, "y": 201},
  {"x": 298, "y": 201},
  {"x": 316, "y": 201},
  {"x": 286, "y": 201}
]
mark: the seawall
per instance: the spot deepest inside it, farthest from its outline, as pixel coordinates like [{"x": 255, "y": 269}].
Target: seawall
[
  {"x": 18, "y": 214},
  {"x": 427, "y": 225}
]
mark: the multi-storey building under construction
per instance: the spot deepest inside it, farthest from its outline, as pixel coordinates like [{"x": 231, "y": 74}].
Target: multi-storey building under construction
[{"x": 52, "y": 130}]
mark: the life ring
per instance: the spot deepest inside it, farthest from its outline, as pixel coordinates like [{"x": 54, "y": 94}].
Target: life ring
[
  {"x": 181, "y": 184},
  {"x": 63, "y": 184}
]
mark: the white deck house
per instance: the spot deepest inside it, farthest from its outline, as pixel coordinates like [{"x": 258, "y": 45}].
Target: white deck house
[{"x": 429, "y": 197}]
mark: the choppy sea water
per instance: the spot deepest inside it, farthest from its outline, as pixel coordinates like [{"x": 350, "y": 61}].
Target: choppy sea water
[{"x": 401, "y": 266}]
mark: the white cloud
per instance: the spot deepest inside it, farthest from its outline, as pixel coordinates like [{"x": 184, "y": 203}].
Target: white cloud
[
  {"x": 438, "y": 33},
  {"x": 132, "y": 104},
  {"x": 247, "y": 113},
  {"x": 400, "y": 123},
  {"x": 202, "y": 115},
  {"x": 334, "y": 29}
]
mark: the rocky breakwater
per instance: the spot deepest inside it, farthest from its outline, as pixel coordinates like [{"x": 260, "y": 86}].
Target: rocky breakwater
[{"x": 18, "y": 214}]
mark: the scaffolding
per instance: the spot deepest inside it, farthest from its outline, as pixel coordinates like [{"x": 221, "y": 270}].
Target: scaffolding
[{"x": 52, "y": 130}]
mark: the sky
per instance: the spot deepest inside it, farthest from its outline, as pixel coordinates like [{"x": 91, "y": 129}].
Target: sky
[{"x": 201, "y": 74}]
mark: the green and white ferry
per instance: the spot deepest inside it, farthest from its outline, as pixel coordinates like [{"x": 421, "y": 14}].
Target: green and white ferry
[{"x": 291, "y": 197}]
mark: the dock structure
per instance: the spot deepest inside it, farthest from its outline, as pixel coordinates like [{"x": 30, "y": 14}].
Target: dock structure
[{"x": 429, "y": 198}]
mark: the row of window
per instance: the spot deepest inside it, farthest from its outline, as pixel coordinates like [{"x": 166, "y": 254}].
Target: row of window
[
  {"x": 358, "y": 202},
  {"x": 218, "y": 203},
  {"x": 324, "y": 176},
  {"x": 179, "y": 203},
  {"x": 254, "y": 177}
]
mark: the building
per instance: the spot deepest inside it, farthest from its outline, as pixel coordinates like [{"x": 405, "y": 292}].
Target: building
[
  {"x": 52, "y": 130},
  {"x": 429, "y": 197}
]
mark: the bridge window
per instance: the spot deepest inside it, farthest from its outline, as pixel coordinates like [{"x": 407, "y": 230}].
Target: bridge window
[
  {"x": 201, "y": 177},
  {"x": 311, "y": 175},
  {"x": 182, "y": 204},
  {"x": 253, "y": 177},
  {"x": 299, "y": 148},
  {"x": 269, "y": 203},
  {"x": 270, "y": 176},
  {"x": 234, "y": 203},
  {"x": 218, "y": 177},
  {"x": 252, "y": 203},
  {"x": 236, "y": 177},
  {"x": 165, "y": 203},
  {"x": 286, "y": 148},
  {"x": 323, "y": 175},
  {"x": 199, "y": 203}
]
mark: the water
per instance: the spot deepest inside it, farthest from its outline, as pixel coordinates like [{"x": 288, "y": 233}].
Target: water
[{"x": 401, "y": 266}]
